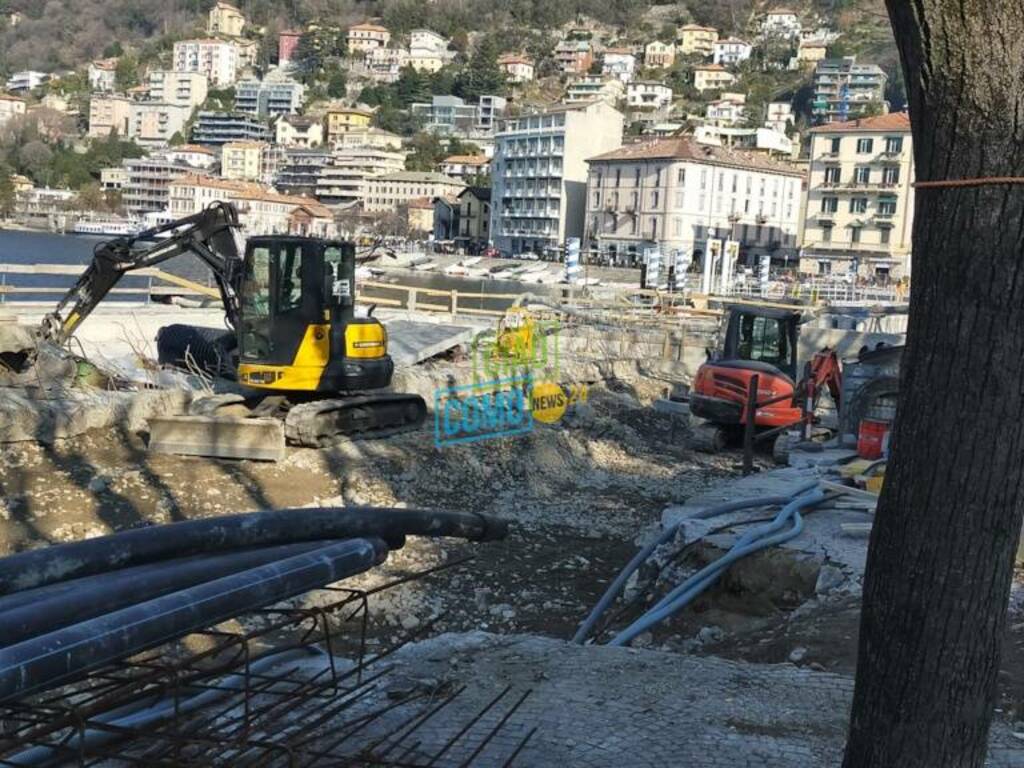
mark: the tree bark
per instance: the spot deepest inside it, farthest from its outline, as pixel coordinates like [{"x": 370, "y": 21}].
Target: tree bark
[{"x": 941, "y": 554}]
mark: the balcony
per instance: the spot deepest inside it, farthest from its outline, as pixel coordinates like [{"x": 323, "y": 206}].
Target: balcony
[{"x": 889, "y": 157}]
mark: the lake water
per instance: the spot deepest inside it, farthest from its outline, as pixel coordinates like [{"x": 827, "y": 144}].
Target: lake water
[{"x": 47, "y": 248}]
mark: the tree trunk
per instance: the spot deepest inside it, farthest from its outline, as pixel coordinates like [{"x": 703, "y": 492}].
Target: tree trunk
[{"x": 940, "y": 561}]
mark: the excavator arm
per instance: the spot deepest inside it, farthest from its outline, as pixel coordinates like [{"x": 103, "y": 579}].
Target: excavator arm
[{"x": 209, "y": 235}]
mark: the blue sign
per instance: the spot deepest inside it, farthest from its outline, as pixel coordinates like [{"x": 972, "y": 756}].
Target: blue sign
[{"x": 481, "y": 411}]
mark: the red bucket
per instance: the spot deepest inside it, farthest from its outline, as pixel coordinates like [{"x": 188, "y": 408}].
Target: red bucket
[{"x": 871, "y": 438}]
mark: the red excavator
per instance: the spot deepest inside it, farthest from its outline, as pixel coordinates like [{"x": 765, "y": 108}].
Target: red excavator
[{"x": 759, "y": 341}]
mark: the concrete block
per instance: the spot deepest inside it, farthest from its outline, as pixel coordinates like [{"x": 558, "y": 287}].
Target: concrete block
[{"x": 227, "y": 438}]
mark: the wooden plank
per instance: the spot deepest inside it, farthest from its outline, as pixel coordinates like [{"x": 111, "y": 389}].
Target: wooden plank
[{"x": 182, "y": 282}]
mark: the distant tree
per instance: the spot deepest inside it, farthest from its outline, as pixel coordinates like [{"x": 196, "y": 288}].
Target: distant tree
[
  {"x": 337, "y": 84},
  {"x": 176, "y": 140},
  {"x": 426, "y": 151},
  {"x": 307, "y": 59},
  {"x": 396, "y": 120},
  {"x": 8, "y": 197},
  {"x": 126, "y": 74},
  {"x": 113, "y": 50},
  {"x": 91, "y": 198},
  {"x": 34, "y": 160},
  {"x": 482, "y": 75},
  {"x": 412, "y": 87}
]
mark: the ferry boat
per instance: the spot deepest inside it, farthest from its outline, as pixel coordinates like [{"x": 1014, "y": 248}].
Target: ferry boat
[{"x": 106, "y": 227}]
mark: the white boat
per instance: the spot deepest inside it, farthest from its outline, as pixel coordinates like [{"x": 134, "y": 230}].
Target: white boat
[
  {"x": 425, "y": 266},
  {"x": 471, "y": 261},
  {"x": 106, "y": 227},
  {"x": 456, "y": 270},
  {"x": 363, "y": 273}
]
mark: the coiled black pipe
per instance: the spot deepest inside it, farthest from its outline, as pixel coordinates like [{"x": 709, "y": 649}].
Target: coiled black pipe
[
  {"x": 61, "y": 656},
  {"x": 38, "y": 611},
  {"x": 39, "y": 567}
]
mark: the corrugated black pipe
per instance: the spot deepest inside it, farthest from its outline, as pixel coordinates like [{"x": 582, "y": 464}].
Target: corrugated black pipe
[
  {"x": 39, "y": 567},
  {"x": 38, "y": 611},
  {"x": 59, "y": 657}
]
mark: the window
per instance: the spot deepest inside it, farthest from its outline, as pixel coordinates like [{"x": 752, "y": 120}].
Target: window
[
  {"x": 636, "y": 179},
  {"x": 635, "y": 199},
  {"x": 829, "y": 204},
  {"x": 887, "y": 207},
  {"x": 615, "y": 201},
  {"x": 657, "y": 178},
  {"x": 597, "y": 199},
  {"x": 832, "y": 175},
  {"x": 858, "y": 205},
  {"x": 633, "y": 227},
  {"x": 883, "y": 235},
  {"x": 680, "y": 197},
  {"x": 600, "y": 179},
  {"x": 862, "y": 174},
  {"x": 854, "y": 234},
  {"x": 835, "y": 146},
  {"x": 735, "y": 182},
  {"x": 893, "y": 145},
  {"x": 865, "y": 146},
  {"x": 824, "y": 267},
  {"x": 826, "y": 233},
  {"x": 654, "y": 229},
  {"x": 763, "y": 339},
  {"x": 703, "y": 179},
  {"x": 618, "y": 177},
  {"x": 702, "y": 202},
  {"x": 677, "y": 227},
  {"x": 681, "y": 176},
  {"x": 891, "y": 176},
  {"x": 654, "y": 199},
  {"x": 721, "y": 182}
]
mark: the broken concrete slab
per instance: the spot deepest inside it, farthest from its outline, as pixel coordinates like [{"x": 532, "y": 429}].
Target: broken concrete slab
[
  {"x": 219, "y": 437},
  {"x": 46, "y": 417},
  {"x": 411, "y": 342}
]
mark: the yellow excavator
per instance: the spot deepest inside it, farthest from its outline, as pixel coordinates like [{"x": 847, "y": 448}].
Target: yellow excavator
[{"x": 295, "y": 343}]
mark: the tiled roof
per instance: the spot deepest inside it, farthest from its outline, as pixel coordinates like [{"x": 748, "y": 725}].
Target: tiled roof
[
  {"x": 369, "y": 27},
  {"x": 696, "y": 28},
  {"x": 688, "y": 148},
  {"x": 467, "y": 159},
  {"x": 711, "y": 68},
  {"x": 731, "y": 41},
  {"x": 417, "y": 176},
  {"x": 893, "y": 121},
  {"x": 515, "y": 58},
  {"x": 249, "y": 191}
]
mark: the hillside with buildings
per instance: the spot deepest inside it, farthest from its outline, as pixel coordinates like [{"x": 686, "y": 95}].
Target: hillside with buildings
[{"x": 621, "y": 128}]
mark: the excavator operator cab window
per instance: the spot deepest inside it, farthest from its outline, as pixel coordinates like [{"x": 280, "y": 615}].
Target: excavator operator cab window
[
  {"x": 763, "y": 339},
  {"x": 255, "y": 300}
]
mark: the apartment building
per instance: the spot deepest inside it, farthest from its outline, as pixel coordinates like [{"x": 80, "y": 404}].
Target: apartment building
[
  {"x": 375, "y": 138},
  {"x": 693, "y": 39},
  {"x": 153, "y": 124},
  {"x": 712, "y": 77},
  {"x": 384, "y": 65},
  {"x": 428, "y": 51},
  {"x": 464, "y": 167},
  {"x": 340, "y": 120},
  {"x": 810, "y": 52},
  {"x": 517, "y": 67},
  {"x": 343, "y": 180},
  {"x": 109, "y": 114},
  {"x": 225, "y": 19},
  {"x": 287, "y": 45},
  {"x": 844, "y": 89},
  {"x": 26, "y": 80},
  {"x": 276, "y": 94},
  {"x": 386, "y": 193},
  {"x": 728, "y": 110},
  {"x": 217, "y": 59},
  {"x": 366, "y": 37},
  {"x": 216, "y": 128},
  {"x": 754, "y": 139},
  {"x": 10, "y": 107},
  {"x": 648, "y": 94},
  {"x": 113, "y": 179},
  {"x": 103, "y": 75},
  {"x": 619, "y": 63},
  {"x": 299, "y": 170},
  {"x": 243, "y": 160},
  {"x": 574, "y": 57},
  {"x": 780, "y": 116},
  {"x": 860, "y": 200},
  {"x": 184, "y": 89},
  {"x": 781, "y": 22},
  {"x": 473, "y": 218},
  {"x": 674, "y": 194},
  {"x": 147, "y": 189},
  {"x": 659, "y": 55},
  {"x": 730, "y": 52},
  {"x": 261, "y": 211},
  {"x": 299, "y": 131},
  {"x": 539, "y": 173},
  {"x": 587, "y": 88},
  {"x": 489, "y": 110},
  {"x": 191, "y": 154}
]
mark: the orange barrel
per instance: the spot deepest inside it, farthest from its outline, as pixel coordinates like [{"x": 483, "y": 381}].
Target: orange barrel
[{"x": 871, "y": 438}]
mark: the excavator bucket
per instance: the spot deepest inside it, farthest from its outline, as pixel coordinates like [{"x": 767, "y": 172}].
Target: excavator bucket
[{"x": 219, "y": 437}]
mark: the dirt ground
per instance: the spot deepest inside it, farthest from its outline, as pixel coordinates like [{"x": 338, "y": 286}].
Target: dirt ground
[{"x": 578, "y": 494}]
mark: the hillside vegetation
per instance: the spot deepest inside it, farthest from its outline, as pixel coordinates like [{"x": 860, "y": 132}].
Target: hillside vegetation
[{"x": 63, "y": 34}]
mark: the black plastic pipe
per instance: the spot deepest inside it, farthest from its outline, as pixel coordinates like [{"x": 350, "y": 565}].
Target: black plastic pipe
[
  {"x": 61, "y": 656},
  {"x": 38, "y": 611},
  {"x": 39, "y": 567}
]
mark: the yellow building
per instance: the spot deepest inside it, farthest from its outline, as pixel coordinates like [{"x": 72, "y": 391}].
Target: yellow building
[
  {"x": 341, "y": 120},
  {"x": 242, "y": 160},
  {"x": 363, "y": 38},
  {"x": 695, "y": 39},
  {"x": 712, "y": 77},
  {"x": 225, "y": 19}
]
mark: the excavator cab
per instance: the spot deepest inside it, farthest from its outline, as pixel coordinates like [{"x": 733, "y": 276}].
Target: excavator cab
[
  {"x": 762, "y": 338},
  {"x": 297, "y": 329}
]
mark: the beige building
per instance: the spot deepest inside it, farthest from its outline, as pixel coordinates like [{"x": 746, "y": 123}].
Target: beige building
[
  {"x": 343, "y": 180},
  {"x": 185, "y": 89},
  {"x": 154, "y": 123},
  {"x": 474, "y": 219},
  {"x": 659, "y": 55},
  {"x": 242, "y": 160},
  {"x": 693, "y": 39},
  {"x": 712, "y": 77},
  {"x": 299, "y": 131},
  {"x": 225, "y": 19},
  {"x": 114, "y": 178},
  {"x": 465, "y": 166},
  {"x": 10, "y": 107},
  {"x": 110, "y": 114},
  {"x": 261, "y": 210},
  {"x": 517, "y": 67},
  {"x": 217, "y": 59},
  {"x": 811, "y": 51},
  {"x": 588, "y": 88},
  {"x": 420, "y": 215},
  {"x": 860, "y": 200},
  {"x": 340, "y": 120},
  {"x": 386, "y": 193},
  {"x": 366, "y": 37},
  {"x": 376, "y": 138},
  {"x": 675, "y": 194}
]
